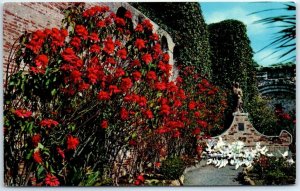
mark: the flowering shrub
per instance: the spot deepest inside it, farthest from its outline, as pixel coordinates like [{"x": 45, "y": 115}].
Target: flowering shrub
[{"x": 83, "y": 93}]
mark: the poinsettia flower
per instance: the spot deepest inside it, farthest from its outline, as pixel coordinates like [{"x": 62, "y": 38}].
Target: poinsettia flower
[
  {"x": 51, "y": 180},
  {"x": 22, "y": 113},
  {"x": 48, "y": 123},
  {"x": 72, "y": 142}
]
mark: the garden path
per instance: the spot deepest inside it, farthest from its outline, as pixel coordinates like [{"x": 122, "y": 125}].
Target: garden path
[{"x": 208, "y": 175}]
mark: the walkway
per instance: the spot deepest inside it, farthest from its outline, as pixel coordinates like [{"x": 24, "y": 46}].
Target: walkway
[{"x": 208, "y": 175}]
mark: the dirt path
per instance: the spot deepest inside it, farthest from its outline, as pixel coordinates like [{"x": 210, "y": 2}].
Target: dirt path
[{"x": 208, "y": 175}]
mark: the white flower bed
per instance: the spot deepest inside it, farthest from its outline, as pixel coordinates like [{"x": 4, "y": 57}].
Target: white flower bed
[{"x": 221, "y": 153}]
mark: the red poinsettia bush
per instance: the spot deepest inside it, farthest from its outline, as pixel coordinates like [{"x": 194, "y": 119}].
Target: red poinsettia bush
[{"x": 93, "y": 91}]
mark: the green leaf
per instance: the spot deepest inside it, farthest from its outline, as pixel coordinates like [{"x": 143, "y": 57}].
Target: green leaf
[
  {"x": 53, "y": 92},
  {"x": 40, "y": 146},
  {"x": 29, "y": 155},
  {"x": 40, "y": 171}
]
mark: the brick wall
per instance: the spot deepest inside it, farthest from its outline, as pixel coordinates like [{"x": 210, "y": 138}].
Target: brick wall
[
  {"x": 21, "y": 17},
  {"x": 241, "y": 129}
]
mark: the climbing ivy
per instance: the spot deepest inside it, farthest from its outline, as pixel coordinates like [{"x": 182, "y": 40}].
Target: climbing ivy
[{"x": 185, "y": 23}]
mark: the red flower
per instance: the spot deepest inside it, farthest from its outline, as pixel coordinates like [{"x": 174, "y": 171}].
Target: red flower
[
  {"x": 110, "y": 60},
  {"x": 48, "y": 123},
  {"x": 36, "y": 139},
  {"x": 132, "y": 142},
  {"x": 135, "y": 63},
  {"x": 142, "y": 101},
  {"x": 141, "y": 178},
  {"x": 94, "y": 37},
  {"x": 202, "y": 123},
  {"x": 101, "y": 24},
  {"x": 124, "y": 113},
  {"x": 172, "y": 87},
  {"x": 199, "y": 149},
  {"x": 139, "y": 43},
  {"x": 51, "y": 180},
  {"x": 136, "y": 75},
  {"x": 147, "y": 58},
  {"x": 60, "y": 152},
  {"x": 154, "y": 37},
  {"x": 109, "y": 46},
  {"x": 160, "y": 85},
  {"x": 166, "y": 57},
  {"x": 137, "y": 182},
  {"x": 76, "y": 76},
  {"x": 113, "y": 89},
  {"x": 95, "y": 48},
  {"x": 37, "y": 157},
  {"x": 128, "y": 14},
  {"x": 76, "y": 42},
  {"x": 176, "y": 134},
  {"x": 102, "y": 95},
  {"x": 37, "y": 70},
  {"x": 69, "y": 56},
  {"x": 72, "y": 142},
  {"x": 157, "y": 48},
  {"x": 126, "y": 84},
  {"x": 122, "y": 53},
  {"x": 81, "y": 31},
  {"x": 41, "y": 61},
  {"x": 104, "y": 124},
  {"x": 147, "y": 24},
  {"x": 22, "y": 113},
  {"x": 197, "y": 131},
  {"x": 139, "y": 28},
  {"x": 149, "y": 114},
  {"x": 165, "y": 109},
  {"x": 120, "y": 21},
  {"x": 197, "y": 114},
  {"x": 151, "y": 75},
  {"x": 157, "y": 164},
  {"x": 192, "y": 105}
]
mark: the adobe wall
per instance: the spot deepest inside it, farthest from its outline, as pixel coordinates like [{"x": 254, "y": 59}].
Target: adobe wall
[
  {"x": 21, "y": 17},
  {"x": 241, "y": 129}
]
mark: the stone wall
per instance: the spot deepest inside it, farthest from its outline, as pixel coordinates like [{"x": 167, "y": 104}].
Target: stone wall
[
  {"x": 241, "y": 129},
  {"x": 21, "y": 17}
]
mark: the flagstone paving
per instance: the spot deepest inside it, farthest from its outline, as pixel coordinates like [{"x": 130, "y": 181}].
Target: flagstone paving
[{"x": 208, "y": 175}]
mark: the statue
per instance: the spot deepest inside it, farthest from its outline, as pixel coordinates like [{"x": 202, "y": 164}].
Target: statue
[{"x": 238, "y": 94}]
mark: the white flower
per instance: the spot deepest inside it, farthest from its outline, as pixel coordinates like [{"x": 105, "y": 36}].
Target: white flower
[
  {"x": 285, "y": 154},
  {"x": 290, "y": 161}
]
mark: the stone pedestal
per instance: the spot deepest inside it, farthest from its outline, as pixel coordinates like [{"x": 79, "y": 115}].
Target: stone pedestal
[{"x": 241, "y": 129}]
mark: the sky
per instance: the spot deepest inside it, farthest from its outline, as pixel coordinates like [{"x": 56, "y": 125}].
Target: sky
[{"x": 260, "y": 35}]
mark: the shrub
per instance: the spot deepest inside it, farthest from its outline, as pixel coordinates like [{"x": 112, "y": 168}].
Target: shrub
[{"x": 172, "y": 168}]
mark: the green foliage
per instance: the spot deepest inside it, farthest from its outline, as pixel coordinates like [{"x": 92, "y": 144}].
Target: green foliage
[
  {"x": 172, "y": 168},
  {"x": 185, "y": 23},
  {"x": 262, "y": 116},
  {"x": 231, "y": 56},
  {"x": 274, "y": 171}
]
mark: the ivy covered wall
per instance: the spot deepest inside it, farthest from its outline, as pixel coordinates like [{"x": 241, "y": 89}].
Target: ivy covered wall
[{"x": 185, "y": 23}]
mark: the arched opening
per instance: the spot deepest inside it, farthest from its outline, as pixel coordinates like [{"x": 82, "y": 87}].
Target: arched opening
[
  {"x": 121, "y": 12},
  {"x": 164, "y": 44},
  {"x": 176, "y": 55}
]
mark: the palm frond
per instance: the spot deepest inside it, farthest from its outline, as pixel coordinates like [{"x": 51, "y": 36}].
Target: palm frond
[{"x": 284, "y": 39}]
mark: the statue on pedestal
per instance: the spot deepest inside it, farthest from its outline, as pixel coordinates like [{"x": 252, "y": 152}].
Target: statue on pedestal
[{"x": 238, "y": 94}]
